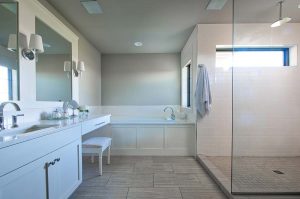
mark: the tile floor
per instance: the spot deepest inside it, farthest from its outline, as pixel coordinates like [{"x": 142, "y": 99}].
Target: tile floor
[
  {"x": 255, "y": 174},
  {"x": 147, "y": 178}
]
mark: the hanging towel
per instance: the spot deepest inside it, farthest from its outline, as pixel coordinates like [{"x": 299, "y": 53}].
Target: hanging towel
[{"x": 202, "y": 94}]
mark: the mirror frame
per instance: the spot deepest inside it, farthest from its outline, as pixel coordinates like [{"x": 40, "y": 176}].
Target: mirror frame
[{"x": 28, "y": 10}]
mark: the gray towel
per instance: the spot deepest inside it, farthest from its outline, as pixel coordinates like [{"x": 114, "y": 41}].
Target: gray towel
[{"x": 203, "y": 95}]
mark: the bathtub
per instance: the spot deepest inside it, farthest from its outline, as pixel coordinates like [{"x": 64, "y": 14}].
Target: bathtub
[{"x": 151, "y": 136}]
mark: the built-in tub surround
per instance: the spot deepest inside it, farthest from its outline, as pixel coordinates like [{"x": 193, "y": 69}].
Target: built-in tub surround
[{"x": 144, "y": 130}]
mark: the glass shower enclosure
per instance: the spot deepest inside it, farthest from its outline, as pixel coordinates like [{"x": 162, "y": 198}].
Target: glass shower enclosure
[
  {"x": 250, "y": 142},
  {"x": 266, "y": 97}
]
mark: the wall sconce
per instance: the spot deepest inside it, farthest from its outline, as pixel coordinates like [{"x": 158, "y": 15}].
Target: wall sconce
[
  {"x": 68, "y": 68},
  {"x": 35, "y": 47},
  {"x": 12, "y": 42},
  {"x": 73, "y": 66},
  {"x": 80, "y": 68}
]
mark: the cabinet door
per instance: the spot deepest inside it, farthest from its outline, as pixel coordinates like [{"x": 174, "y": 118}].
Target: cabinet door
[
  {"x": 64, "y": 176},
  {"x": 70, "y": 168},
  {"x": 36, "y": 180},
  {"x": 25, "y": 182}
]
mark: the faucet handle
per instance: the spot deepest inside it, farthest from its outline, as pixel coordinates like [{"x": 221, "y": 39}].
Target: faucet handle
[{"x": 19, "y": 115}]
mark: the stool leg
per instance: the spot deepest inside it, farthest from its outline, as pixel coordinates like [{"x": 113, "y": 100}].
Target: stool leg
[
  {"x": 108, "y": 155},
  {"x": 100, "y": 163},
  {"x": 92, "y": 159}
]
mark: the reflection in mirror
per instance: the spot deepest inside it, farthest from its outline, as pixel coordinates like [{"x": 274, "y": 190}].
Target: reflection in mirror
[
  {"x": 186, "y": 86},
  {"x": 53, "y": 82},
  {"x": 9, "y": 59}
]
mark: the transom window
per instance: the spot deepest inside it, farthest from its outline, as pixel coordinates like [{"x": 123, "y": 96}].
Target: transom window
[{"x": 253, "y": 57}]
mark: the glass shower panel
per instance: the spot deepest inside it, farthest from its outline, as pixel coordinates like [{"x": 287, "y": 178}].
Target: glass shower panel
[{"x": 266, "y": 98}]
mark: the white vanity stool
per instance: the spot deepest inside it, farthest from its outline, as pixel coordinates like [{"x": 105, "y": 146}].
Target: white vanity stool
[{"x": 97, "y": 145}]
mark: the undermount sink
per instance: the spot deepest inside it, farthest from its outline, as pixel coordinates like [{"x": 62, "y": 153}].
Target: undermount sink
[
  {"x": 12, "y": 134},
  {"x": 37, "y": 128}
]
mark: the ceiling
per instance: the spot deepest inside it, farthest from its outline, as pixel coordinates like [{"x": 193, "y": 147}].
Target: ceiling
[{"x": 162, "y": 25}]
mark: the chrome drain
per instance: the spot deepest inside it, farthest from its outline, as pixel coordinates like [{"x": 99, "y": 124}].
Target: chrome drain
[{"x": 278, "y": 172}]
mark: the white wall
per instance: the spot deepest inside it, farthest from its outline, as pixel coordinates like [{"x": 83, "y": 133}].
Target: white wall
[
  {"x": 90, "y": 82},
  {"x": 214, "y": 131},
  {"x": 141, "y": 79},
  {"x": 266, "y": 100}
]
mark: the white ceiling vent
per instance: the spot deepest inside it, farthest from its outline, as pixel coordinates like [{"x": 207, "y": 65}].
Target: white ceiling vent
[
  {"x": 91, "y": 6},
  {"x": 216, "y": 4}
]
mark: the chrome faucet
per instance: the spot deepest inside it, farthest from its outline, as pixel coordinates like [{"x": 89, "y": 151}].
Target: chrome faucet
[
  {"x": 172, "y": 114},
  {"x": 14, "y": 117}
]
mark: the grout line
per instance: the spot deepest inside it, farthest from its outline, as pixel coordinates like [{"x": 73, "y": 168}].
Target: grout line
[
  {"x": 110, "y": 174},
  {"x": 153, "y": 180},
  {"x": 180, "y": 192},
  {"x": 127, "y": 193}
]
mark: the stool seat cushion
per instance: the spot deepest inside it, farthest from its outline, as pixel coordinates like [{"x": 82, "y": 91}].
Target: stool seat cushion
[{"x": 102, "y": 142}]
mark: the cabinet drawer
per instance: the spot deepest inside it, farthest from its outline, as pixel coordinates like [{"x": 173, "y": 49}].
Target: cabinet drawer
[
  {"x": 94, "y": 124},
  {"x": 16, "y": 156}
]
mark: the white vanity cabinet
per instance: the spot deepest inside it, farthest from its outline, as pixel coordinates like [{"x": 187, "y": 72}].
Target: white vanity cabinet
[
  {"x": 94, "y": 124},
  {"x": 50, "y": 168}
]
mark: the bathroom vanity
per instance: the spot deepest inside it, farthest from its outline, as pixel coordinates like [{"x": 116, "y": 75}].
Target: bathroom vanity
[{"x": 45, "y": 163}]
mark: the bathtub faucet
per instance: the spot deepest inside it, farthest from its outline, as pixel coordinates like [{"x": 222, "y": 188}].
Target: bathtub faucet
[{"x": 172, "y": 114}]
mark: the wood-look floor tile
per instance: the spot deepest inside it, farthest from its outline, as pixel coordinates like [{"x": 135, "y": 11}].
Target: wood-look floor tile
[
  {"x": 154, "y": 193},
  {"x": 196, "y": 193},
  {"x": 173, "y": 159},
  {"x": 183, "y": 180},
  {"x": 96, "y": 180},
  {"x": 118, "y": 168},
  {"x": 186, "y": 168},
  {"x": 100, "y": 192},
  {"x": 146, "y": 178},
  {"x": 153, "y": 168},
  {"x": 131, "y": 180}
]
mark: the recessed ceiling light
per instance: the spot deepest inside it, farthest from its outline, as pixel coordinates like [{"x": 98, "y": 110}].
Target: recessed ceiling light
[
  {"x": 91, "y": 6},
  {"x": 138, "y": 44}
]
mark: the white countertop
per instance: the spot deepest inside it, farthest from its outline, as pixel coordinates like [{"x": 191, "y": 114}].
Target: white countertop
[
  {"x": 148, "y": 121},
  {"x": 59, "y": 125}
]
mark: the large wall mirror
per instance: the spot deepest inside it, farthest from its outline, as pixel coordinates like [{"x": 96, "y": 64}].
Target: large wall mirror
[
  {"x": 53, "y": 80},
  {"x": 9, "y": 56}
]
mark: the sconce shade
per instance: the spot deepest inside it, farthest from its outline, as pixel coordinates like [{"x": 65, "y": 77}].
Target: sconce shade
[
  {"x": 36, "y": 43},
  {"x": 80, "y": 66},
  {"x": 12, "y": 42},
  {"x": 67, "y": 66}
]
